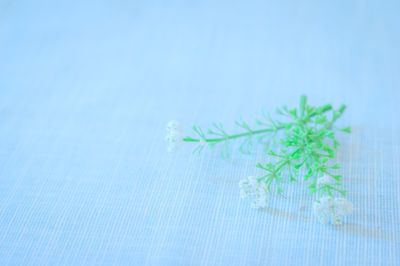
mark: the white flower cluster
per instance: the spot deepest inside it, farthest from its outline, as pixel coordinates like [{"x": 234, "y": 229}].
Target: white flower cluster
[
  {"x": 325, "y": 180},
  {"x": 256, "y": 190},
  {"x": 174, "y": 135},
  {"x": 332, "y": 210}
]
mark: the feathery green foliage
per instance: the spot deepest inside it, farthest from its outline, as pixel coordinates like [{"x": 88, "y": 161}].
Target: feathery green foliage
[{"x": 305, "y": 145}]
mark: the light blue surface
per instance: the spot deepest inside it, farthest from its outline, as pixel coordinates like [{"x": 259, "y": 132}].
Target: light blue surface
[{"x": 87, "y": 87}]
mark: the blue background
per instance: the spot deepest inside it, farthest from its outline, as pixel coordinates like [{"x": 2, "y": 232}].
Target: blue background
[{"x": 86, "y": 88}]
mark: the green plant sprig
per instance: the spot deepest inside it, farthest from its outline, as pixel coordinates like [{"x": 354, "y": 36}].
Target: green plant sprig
[
  {"x": 308, "y": 145},
  {"x": 223, "y": 136}
]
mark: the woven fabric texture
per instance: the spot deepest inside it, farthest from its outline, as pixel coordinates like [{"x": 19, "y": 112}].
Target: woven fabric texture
[{"x": 86, "y": 88}]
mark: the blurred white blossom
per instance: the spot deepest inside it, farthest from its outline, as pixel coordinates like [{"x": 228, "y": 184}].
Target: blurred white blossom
[
  {"x": 332, "y": 210},
  {"x": 174, "y": 135},
  {"x": 256, "y": 190},
  {"x": 325, "y": 180}
]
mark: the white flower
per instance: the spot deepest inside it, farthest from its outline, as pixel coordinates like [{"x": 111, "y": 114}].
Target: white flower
[
  {"x": 256, "y": 190},
  {"x": 332, "y": 210},
  {"x": 174, "y": 135},
  {"x": 325, "y": 180}
]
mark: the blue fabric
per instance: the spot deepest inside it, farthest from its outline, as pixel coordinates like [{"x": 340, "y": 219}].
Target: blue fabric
[{"x": 86, "y": 89}]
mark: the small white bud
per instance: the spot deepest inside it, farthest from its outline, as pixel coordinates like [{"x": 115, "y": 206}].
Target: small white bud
[
  {"x": 332, "y": 210},
  {"x": 257, "y": 190},
  {"x": 174, "y": 135}
]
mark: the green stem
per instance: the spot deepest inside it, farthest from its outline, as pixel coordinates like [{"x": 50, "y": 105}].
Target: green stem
[
  {"x": 234, "y": 136},
  {"x": 324, "y": 109}
]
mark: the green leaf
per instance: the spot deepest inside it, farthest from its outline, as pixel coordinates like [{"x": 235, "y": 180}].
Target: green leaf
[
  {"x": 310, "y": 172},
  {"x": 303, "y": 104},
  {"x": 312, "y": 187},
  {"x": 298, "y": 166},
  {"x": 346, "y": 129},
  {"x": 293, "y": 112},
  {"x": 335, "y": 166}
]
